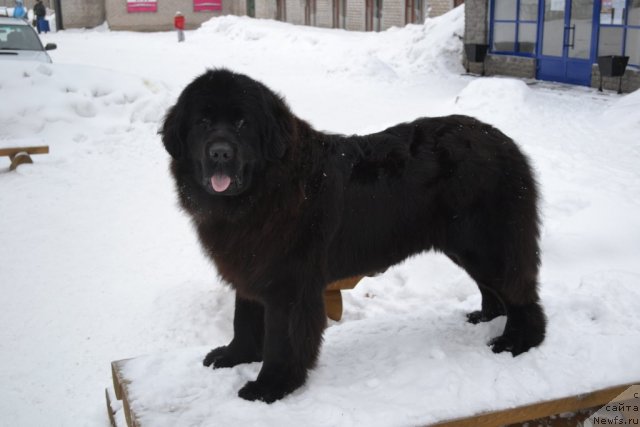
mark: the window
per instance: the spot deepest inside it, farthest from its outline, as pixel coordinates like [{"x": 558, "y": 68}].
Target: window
[
  {"x": 19, "y": 37},
  {"x": 514, "y": 26},
  {"x": 620, "y": 29}
]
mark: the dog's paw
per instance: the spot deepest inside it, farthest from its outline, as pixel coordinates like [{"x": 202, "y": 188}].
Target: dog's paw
[
  {"x": 226, "y": 357},
  {"x": 218, "y": 358},
  {"x": 475, "y": 317},
  {"x": 508, "y": 342},
  {"x": 480, "y": 316},
  {"x": 260, "y": 390}
]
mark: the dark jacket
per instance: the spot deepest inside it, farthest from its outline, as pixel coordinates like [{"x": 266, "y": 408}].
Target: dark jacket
[{"x": 39, "y": 10}]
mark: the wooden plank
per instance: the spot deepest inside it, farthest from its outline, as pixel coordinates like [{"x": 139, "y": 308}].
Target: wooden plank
[
  {"x": 583, "y": 405},
  {"x": 333, "y": 304},
  {"x": 521, "y": 414},
  {"x": 41, "y": 149},
  {"x": 110, "y": 411},
  {"x": 121, "y": 385},
  {"x": 116, "y": 376},
  {"x": 333, "y": 297},
  {"x": 348, "y": 283}
]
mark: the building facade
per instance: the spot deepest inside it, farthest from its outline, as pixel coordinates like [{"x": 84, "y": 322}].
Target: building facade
[
  {"x": 557, "y": 40},
  {"x": 157, "y": 15},
  {"x": 357, "y": 15},
  {"x": 360, "y": 15}
]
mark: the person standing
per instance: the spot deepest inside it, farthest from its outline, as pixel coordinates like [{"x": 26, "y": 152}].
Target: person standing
[
  {"x": 178, "y": 23},
  {"x": 40, "y": 12},
  {"x": 19, "y": 11}
]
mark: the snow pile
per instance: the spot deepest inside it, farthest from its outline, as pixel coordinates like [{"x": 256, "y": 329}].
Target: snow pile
[
  {"x": 434, "y": 47},
  {"x": 437, "y": 49},
  {"x": 494, "y": 97},
  {"x": 624, "y": 113},
  {"x": 52, "y": 96}
]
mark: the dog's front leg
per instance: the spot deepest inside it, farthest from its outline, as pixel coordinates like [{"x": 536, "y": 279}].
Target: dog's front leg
[
  {"x": 248, "y": 333},
  {"x": 293, "y": 333}
]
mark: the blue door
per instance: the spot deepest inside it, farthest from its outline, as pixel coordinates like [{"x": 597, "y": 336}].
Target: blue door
[{"x": 566, "y": 35}]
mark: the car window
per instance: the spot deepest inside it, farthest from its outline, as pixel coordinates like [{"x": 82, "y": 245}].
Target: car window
[{"x": 18, "y": 37}]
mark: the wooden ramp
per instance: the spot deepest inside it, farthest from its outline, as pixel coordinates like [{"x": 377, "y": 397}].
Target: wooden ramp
[{"x": 567, "y": 411}]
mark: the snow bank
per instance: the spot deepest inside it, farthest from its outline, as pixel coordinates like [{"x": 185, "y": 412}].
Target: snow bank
[
  {"x": 56, "y": 95},
  {"x": 432, "y": 48},
  {"x": 491, "y": 97},
  {"x": 624, "y": 113},
  {"x": 437, "y": 49}
]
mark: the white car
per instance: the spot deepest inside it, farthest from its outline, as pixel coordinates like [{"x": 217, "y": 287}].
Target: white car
[{"x": 19, "y": 41}]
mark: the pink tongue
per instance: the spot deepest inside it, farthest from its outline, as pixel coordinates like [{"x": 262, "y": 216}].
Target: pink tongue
[{"x": 220, "y": 182}]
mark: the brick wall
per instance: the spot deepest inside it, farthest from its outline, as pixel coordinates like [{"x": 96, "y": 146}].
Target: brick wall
[
  {"x": 355, "y": 15},
  {"x": 475, "y": 21},
  {"x": 82, "y": 13},
  {"x": 439, "y": 7},
  {"x": 516, "y": 66},
  {"x": 266, "y": 9},
  {"x": 88, "y": 13},
  {"x": 295, "y": 11},
  {"x": 75, "y": 13},
  {"x": 393, "y": 14},
  {"x": 475, "y": 29},
  {"x": 324, "y": 13},
  {"x": 27, "y": 3}
]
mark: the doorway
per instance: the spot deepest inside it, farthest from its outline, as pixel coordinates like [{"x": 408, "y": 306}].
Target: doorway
[
  {"x": 281, "y": 10},
  {"x": 310, "y": 12},
  {"x": 566, "y": 33},
  {"x": 339, "y": 13},
  {"x": 251, "y": 8},
  {"x": 373, "y": 15}
]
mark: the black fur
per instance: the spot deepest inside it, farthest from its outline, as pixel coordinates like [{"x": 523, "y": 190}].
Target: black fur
[{"x": 306, "y": 208}]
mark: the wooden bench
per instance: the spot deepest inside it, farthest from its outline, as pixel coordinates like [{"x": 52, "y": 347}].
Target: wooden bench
[
  {"x": 333, "y": 296},
  {"x": 574, "y": 409},
  {"x": 21, "y": 155}
]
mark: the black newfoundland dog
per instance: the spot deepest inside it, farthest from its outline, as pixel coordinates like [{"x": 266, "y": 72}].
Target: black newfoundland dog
[{"x": 283, "y": 210}]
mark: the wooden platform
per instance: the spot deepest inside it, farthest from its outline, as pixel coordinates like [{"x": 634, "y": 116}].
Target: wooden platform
[{"x": 574, "y": 409}]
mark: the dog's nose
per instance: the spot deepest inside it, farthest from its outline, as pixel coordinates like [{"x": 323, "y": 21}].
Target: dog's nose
[{"x": 221, "y": 152}]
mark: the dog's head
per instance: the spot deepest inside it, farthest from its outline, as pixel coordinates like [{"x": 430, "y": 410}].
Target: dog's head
[{"x": 225, "y": 129}]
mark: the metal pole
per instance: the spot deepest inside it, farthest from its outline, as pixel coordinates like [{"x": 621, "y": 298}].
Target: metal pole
[{"x": 58, "y": 8}]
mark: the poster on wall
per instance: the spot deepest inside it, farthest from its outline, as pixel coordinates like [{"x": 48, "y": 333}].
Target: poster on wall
[
  {"x": 557, "y": 5},
  {"x": 142, "y": 6},
  {"x": 612, "y": 12},
  {"x": 206, "y": 5}
]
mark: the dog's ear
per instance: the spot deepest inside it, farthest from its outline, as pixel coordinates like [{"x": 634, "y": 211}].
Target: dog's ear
[
  {"x": 173, "y": 132},
  {"x": 278, "y": 126}
]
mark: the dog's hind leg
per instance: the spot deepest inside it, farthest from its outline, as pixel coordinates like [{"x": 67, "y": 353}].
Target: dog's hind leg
[
  {"x": 492, "y": 306},
  {"x": 526, "y": 321},
  {"x": 507, "y": 287}
]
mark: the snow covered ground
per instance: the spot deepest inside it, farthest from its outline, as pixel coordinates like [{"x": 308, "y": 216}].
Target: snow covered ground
[{"x": 97, "y": 263}]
